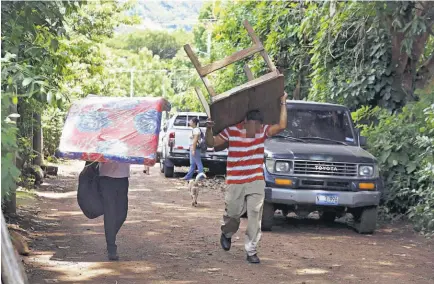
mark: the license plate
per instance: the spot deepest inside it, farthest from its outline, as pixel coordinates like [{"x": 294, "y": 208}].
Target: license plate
[{"x": 327, "y": 199}]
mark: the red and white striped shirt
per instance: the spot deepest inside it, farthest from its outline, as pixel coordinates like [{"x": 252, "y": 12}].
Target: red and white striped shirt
[{"x": 245, "y": 155}]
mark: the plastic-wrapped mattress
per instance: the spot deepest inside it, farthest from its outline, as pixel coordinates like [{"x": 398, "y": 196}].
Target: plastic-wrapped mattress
[{"x": 115, "y": 129}]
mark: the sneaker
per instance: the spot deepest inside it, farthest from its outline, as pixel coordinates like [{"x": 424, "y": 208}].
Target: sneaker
[
  {"x": 225, "y": 242},
  {"x": 200, "y": 176},
  {"x": 253, "y": 258}
]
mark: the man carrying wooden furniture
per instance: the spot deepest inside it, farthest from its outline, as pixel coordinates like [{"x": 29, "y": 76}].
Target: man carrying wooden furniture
[{"x": 245, "y": 178}]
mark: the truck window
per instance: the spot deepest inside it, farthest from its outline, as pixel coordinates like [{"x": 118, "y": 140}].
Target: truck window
[
  {"x": 180, "y": 120},
  {"x": 329, "y": 124}
]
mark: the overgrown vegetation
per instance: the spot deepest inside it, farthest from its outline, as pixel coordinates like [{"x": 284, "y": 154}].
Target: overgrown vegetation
[{"x": 403, "y": 144}]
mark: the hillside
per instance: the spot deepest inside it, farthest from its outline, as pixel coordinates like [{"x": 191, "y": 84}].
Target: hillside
[{"x": 167, "y": 15}]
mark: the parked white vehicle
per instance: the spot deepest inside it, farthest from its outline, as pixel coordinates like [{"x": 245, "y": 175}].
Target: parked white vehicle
[{"x": 175, "y": 140}]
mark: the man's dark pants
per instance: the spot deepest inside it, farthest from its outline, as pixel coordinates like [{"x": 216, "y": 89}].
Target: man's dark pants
[{"x": 115, "y": 197}]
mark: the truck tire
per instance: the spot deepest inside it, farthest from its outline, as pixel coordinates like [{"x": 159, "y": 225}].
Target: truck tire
[
  {"x": 168, "y": 171},
  {"x": 267, "y": 217},
  {"x": 368, "y": 221},
  {"x": 327, "y": 216}
]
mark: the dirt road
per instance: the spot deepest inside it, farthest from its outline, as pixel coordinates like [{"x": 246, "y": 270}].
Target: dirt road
[{"x": 165, "y": 240}]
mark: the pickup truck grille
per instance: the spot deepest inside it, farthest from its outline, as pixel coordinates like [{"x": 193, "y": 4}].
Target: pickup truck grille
[
  {"x": 318, "y": 168},
  {"x": 326, "y": 185}
]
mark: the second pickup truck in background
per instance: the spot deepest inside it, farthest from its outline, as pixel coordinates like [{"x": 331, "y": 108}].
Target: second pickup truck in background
[{"x": 175, "y": 141}]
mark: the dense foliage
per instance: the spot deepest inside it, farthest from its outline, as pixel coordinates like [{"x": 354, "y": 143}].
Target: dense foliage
[
  {"x": 403, "y": 143},
  {"x": 31, "y": 67},
  {"x": 356, "y": 53}
]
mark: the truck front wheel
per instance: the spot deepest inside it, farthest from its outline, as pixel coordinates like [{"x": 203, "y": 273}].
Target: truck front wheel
[
  {"x": 367, "y": 222},
  {"x": 267, "y": 216}
]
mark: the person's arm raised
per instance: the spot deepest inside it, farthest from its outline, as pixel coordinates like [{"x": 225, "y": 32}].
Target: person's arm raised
[{"x": 276, "y": 128}]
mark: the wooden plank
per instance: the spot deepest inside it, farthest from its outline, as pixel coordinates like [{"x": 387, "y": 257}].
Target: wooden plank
[
  {"x": 256, "y": 40},
  {"x": 12, "y": 271},
  {"x": 203, "y": 101},
  {"x": 231, "y": 59},
  {"x": 248, "y": 72},
  {"x": 265, "y": 78},
  {"x": 193, "y": 58},
  {"x": 208, "y": 87},
  {"x": 251, "y": 33},
  {"x": 267, "y": 60}
]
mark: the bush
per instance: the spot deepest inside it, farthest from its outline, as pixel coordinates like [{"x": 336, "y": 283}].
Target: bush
[
  {"x": 52, "y": 125},
  {"x": 403, "y": 144},
  {"x": 423, "y": 212}
]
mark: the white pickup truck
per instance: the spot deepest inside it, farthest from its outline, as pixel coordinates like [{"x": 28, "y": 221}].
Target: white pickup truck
[{"x": 175, "y": 141}]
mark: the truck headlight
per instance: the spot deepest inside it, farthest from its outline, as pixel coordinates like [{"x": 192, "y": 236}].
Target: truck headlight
[
  {"x": 278, "y": 167},
  {"x": 282, "y": 167},
  {"x": 366, "y": 171}
]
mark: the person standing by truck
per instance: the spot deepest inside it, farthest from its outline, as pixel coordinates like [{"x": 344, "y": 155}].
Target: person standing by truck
[
  {"x": 245, "y": 178},
  {"x": 195, "y": 158},
  {"x": 114, "y": 183}
]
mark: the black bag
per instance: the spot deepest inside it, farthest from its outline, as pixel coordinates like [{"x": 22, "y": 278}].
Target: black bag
[
  {"x": 201, "y": 144},
  {"x": 88, "y": 194}
]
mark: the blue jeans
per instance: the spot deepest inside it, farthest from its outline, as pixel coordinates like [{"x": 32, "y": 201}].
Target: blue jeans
[{"x": 194, "y": 161}]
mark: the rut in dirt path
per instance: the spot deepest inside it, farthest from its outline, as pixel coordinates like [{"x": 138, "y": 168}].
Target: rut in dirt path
[{"x": 165, "y": 240}]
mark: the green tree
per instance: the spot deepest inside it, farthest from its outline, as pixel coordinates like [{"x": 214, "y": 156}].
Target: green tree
[{"x": 161, "y": 43}]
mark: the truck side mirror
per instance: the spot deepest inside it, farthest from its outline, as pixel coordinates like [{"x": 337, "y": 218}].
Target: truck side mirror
[{"x": 362, "y": 139}]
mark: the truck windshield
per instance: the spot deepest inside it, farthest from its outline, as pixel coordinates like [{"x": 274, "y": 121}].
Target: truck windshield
[{"x": 327, "y": 124}]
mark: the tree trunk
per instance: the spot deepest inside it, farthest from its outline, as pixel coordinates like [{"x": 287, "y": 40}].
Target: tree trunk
[
  {"x": 407, "y": 78},
  {"x": 37, "y": 140}
]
